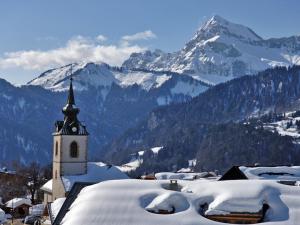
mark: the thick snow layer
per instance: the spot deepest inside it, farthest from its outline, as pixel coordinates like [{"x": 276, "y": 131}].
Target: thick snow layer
[
  {"x": 183, "y": 175},
  {"x": 16, "y": 202},
  {"x": 56, "y": 205},
  {"x": 291, "y": 173},
  {"x": 170, "y": 202},
  {"x": 126, "y": 202},
  {"x": 96, "y": 172}
]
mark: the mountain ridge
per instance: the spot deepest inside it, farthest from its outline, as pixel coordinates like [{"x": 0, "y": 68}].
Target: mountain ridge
[
  {"x": 221, "y": 50},
  {"x": 182, "y": 127}
]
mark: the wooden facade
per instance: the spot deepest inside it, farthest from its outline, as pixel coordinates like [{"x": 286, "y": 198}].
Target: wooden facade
[{"x": 237, "y": 218}]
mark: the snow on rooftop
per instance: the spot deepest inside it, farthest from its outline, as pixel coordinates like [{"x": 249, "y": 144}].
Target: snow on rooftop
[
  {"x": 47, "y": 186},
  {"x": 183, "y": 175},
  {"x": 56, "y": 205},
  {"x": 16, "y": 202},
  {"x": 130, "y": 202},
  {"x": 291, "y": 173},
  {"x": 96, "y": 172}
]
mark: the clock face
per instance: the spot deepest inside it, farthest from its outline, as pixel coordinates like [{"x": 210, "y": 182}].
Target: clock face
[{"x": 74, "y": 129}]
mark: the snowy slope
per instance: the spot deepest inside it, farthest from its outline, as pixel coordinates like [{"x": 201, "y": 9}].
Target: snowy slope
[
  {"x": 221, "y": 50},
  {"x": 288, "y": 125},
  {"x": 126, "y": 202}
]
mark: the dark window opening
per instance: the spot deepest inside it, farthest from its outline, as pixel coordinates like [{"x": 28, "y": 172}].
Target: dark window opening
[
  {"x": 74, "y": 150},
  {"x": 56, "y": 148}
]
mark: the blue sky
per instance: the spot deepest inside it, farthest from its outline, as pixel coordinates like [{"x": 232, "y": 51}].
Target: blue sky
[{"x": 37, "y": 35}]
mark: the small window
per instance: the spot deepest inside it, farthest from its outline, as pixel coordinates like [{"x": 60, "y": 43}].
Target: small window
[
  {"x": 55, "y": 174},
  {"x": 74, "y": 150},
  {"x": 56, "y": 148}
]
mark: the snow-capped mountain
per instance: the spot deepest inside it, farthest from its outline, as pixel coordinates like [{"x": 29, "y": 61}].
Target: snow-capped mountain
[
  {"x": 111, "y": 101},
  {"x": 103, "y": 75},
  {"x": 221, "y": 50}
]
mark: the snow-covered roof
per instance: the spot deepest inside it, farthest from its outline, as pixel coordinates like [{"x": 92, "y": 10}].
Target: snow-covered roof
[
  {"x": 130, "y": 202},
  {"x": 183, "y": 175},
  {"x": 56, "y": 205},
  {"x": 274, "y": 173},
  {"x": 16, "y": 202},
  {"x": 47, "y": 186},
  {"x": 96, "y": 172}
]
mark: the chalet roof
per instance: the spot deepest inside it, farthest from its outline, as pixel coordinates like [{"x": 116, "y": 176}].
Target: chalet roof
[
  {"x": 234, "y": 173},
  {"x": 16, "y": 202}
]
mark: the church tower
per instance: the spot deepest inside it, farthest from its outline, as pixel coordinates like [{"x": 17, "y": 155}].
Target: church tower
[{"x": 70, "y": 146}]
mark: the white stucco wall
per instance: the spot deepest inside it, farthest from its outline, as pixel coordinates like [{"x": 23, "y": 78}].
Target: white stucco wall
[{"x": 63, "y": 162}]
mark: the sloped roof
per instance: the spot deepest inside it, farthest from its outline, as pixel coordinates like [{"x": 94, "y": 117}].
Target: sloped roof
[
  {"x": 16, "y": 202},
  {"x": 47, "y": 186},
  {"x": 291, "y": 173},
  {"x": 286, "y": 173},
  {"x": 96, "y": 172}
]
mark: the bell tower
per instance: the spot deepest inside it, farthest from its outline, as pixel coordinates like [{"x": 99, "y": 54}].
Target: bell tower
[{"x": 70, "y": 145}]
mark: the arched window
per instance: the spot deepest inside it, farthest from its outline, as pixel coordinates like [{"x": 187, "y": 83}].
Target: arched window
[
  {"x": 56, "y": 148},
  {"x": 74, "y": 150}
]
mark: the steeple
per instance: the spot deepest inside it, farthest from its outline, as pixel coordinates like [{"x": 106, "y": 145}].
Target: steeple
[
  {"x": 71, "y": 125},
  {"x": 71, "y": 100}
]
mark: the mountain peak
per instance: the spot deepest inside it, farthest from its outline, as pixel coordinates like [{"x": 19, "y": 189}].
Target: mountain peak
[
  {"x": 217, "y": 25},
  {"x": 217, "y": 19}
]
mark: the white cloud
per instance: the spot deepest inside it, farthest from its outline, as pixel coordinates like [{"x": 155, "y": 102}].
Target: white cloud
[
  {"x": 145, "y": 35},
  {"x": 76, "y": 49},
  {"x": 101, "y": 38}
]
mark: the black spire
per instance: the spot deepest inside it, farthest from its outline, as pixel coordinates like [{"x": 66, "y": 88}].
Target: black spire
[{"x": 71, "y": 99}]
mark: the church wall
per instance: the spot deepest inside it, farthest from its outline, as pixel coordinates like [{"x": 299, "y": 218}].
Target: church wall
[
  {"x": 58, "y": 190},
  {"x": 81, "y": 141}
]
